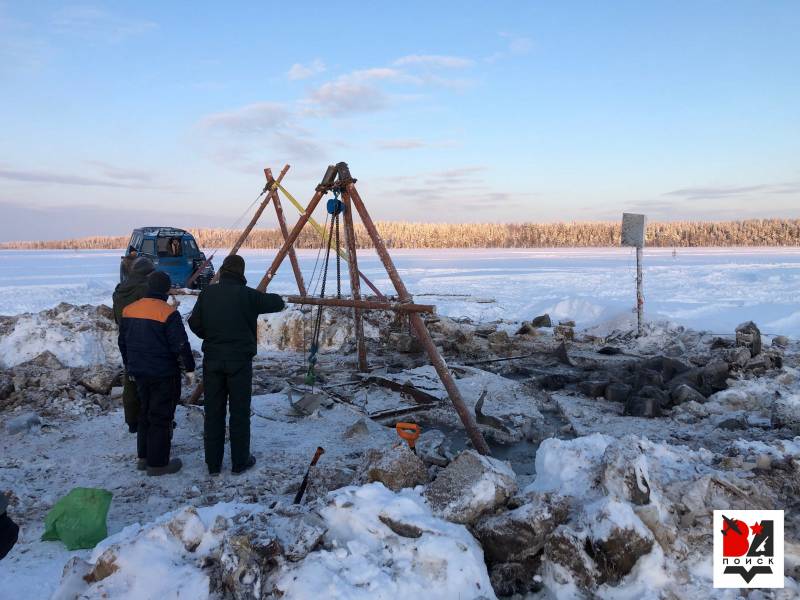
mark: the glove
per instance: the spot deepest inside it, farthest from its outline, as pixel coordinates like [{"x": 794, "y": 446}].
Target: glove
[{"x": 190, "y": 377}]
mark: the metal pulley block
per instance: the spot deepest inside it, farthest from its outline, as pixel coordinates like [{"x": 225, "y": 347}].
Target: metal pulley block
[{"x": 335, "y": 206}]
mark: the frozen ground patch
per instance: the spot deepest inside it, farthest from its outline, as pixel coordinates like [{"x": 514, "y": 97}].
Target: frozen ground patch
[{"x": 703, "y": 288}]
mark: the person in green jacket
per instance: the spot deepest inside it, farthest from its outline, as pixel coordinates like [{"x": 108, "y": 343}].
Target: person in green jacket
[
  {"x": 224, "y": 317},
  {"x": 129, "y": 291}
]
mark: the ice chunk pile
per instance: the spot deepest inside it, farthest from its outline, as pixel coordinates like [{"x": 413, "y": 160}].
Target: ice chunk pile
[
  {"x": 78, "y": 336},
  {"x": 377, "y": 544}
]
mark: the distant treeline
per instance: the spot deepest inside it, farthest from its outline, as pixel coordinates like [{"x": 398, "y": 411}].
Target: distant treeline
[{"x": 752, "y": 232}]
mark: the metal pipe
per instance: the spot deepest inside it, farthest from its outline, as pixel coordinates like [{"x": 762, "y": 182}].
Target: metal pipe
[
  {"x": 639, "y": 293},
  {"x": 407, "y": 307},
  {"x": 420, "y": 329}
]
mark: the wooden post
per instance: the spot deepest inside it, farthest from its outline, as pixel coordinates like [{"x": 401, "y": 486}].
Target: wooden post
[
  {"x": 298, "y": 275},
  {"x": 403, "y": 307},
  {"x": 298, "y": 227},
  {"x": 324, "y": 234},
  {"x": 355, "y": 284},
  {"x": 639, "y": 293},
  {"x": 271, "y": 195},
  {"x": 419, "y": 326}
]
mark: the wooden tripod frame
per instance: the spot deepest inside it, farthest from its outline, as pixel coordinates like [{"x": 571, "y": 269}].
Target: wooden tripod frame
[{"x": 338, "y": 178}]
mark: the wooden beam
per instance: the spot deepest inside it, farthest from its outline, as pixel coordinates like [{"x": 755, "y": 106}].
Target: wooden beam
[
  {"x": 438, "y": 362},
  {"x": 289, "y": 242},
  {"x": 363, "y": 304},
  {"x": 276, "y": 202},
  {"x": 355, "y": 284},
  {"x": 324, "y": 235}
]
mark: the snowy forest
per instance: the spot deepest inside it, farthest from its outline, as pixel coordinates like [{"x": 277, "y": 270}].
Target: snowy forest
[{"x": 751, "y": 232}]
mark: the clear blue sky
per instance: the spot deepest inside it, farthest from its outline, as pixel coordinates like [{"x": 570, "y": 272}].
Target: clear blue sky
[{"x": 445, "y": 111}]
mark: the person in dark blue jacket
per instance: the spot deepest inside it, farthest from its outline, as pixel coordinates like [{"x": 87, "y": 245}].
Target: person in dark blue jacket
[{"x": 153, "y": 344}]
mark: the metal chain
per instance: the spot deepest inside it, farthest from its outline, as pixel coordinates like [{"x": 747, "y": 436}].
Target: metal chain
[
  {"x": 338, "y": 259},
  {"x": 312, "y": 359}
]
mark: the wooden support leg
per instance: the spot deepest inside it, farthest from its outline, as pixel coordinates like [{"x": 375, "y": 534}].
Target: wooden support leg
[
  {"x": 298, "y": 275},
  {"x": 246, "y": 232},
  {"x": 420, "y": 329},
  {"x": 273, "y": 194},
  {"x": 270, "y": 196},
  {"x": 319, "y": 229},
  {"x": 288, "y": 243},
  {"x": 355, "y": 285}
]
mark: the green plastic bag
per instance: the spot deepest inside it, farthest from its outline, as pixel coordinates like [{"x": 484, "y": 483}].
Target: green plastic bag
[{"x": 79, "y": 518}]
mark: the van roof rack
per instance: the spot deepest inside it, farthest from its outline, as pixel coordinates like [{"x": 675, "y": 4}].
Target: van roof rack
[{"x": 156, "y": 230}]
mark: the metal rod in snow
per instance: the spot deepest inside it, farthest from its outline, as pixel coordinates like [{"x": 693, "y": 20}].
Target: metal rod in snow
[
  {"x": 639, "y": 293},
  {"x": 633, "y": 234}
]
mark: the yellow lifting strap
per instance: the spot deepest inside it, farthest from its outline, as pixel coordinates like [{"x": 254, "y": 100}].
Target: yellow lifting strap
[{"x": 314, "y": 223}]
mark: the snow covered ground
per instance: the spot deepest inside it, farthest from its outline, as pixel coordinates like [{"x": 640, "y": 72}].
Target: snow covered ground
[
  {"x": 711, "y": 289},
  {"x": 728, "y": 451}
]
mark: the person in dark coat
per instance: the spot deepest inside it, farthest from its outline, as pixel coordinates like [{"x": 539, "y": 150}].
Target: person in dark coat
[
  {"x": 153, "y": 344},
  {"x": 128, "y": 292},
  {"x": 128, "y": 261},
  {"x": 9, "y": 531},
  {"x": 224, "y": 317}
]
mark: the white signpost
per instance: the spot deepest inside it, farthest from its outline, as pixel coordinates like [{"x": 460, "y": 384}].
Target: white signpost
[{"x": 633, "y": 227}]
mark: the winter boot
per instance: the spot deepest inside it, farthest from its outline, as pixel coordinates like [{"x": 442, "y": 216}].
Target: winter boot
[
  {"x": 242, "y": 468},
  {"x": 173, "y": 467}
]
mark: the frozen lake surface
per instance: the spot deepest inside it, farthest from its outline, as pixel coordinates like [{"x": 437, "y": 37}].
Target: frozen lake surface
[{"x": 712, "y": 289}]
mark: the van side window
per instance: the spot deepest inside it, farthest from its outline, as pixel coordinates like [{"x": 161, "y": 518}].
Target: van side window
[{"x": 149, "y": 247}]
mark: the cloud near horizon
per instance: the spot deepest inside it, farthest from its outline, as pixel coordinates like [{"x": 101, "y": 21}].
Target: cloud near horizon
[
  {"x": 114, "y": 178},
  {"x": 83, "y": 220},
  {"x": 713, "y": 193}
]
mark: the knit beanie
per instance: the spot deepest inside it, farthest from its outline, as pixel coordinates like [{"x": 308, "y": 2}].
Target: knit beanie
[
  {"x": 142, "y": 266},
  {"x": 233, "y": 264},
  {"x": 159, "y": 283}
]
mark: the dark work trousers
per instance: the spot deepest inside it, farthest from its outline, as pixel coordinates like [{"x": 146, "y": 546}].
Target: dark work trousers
[
  {"x": 130, "y": 400},
  {"x": 9, "y": 531},
  {"x": 227, "y": 382},
  {"x": 158, "y": 397}
]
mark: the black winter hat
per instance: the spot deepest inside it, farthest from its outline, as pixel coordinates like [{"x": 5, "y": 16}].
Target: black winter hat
[
  {"x": 233, "y": 264},
  {"x": 142, "y": 266},
  {"x": 158, "y": 283}
]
